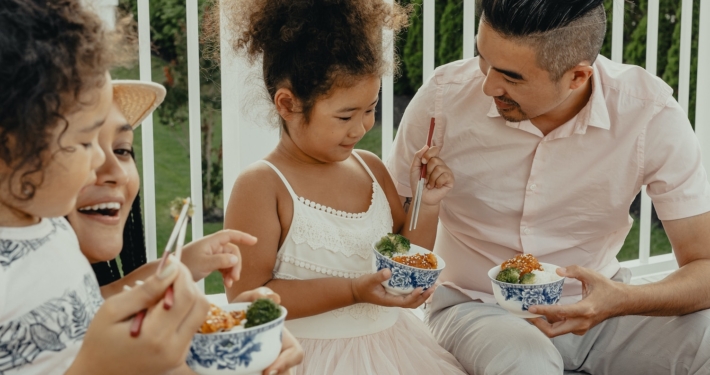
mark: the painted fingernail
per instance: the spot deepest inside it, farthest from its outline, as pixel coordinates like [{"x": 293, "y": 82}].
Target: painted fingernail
[
  {"x": 424, "y": 161},
  {"x": 233, "y": 259},
  {"x": 126, "y": 288},
  {"x": 167, "y": 271},
  {"x": 273, "y": 372},
  {"x": 139, "y": 282}
]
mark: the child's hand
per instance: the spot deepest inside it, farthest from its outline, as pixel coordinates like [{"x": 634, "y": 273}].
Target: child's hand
[
  {"x": 439, "y": 178},
  {"x": 218, "y": 251},
  {"x": 369, "y": 289},
  {"x": 258, "y": 293},
  {"x": 165, "y": 336}
]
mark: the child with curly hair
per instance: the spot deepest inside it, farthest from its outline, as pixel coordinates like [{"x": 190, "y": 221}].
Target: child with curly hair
[
  {"x": 316, "y": 204},
  {"x": 56, "y": 94}
]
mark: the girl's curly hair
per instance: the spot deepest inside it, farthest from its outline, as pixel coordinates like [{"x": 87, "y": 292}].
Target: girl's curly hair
[
  {"x": 51, "y": 51},
  {"x": 309, "y": 46}
]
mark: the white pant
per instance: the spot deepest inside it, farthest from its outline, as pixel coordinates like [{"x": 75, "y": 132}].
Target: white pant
[{"x": 486, "y": 339}]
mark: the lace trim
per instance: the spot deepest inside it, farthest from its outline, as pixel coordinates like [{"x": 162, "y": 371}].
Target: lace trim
[
  {"x": 325, "y": 234},
  {"x": 320, "y": 269},
  {"x": 360, "y": 310},
  {"x": 348, "y": 215},
  {"x": 284, "y": 276}
]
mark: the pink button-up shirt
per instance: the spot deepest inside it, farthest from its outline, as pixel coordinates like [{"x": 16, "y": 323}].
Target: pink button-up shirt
[{"x": 563, "y": 197}]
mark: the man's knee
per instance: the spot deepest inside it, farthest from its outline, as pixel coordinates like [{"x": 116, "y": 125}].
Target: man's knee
[{"x": 488, "y": 341}]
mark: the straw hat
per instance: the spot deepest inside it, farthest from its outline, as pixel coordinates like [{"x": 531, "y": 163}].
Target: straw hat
[{"x": 137, "y": 99}]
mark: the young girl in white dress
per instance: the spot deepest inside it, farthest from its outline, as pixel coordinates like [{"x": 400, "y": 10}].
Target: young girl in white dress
[{"x": 316, "y": 204}]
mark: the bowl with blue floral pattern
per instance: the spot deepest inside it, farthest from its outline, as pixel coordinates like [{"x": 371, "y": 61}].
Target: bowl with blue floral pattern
[
  {"x": 405, "y": 278},
  {"x": 517, "y": 298},
  {"x": 239, "y": 350}
]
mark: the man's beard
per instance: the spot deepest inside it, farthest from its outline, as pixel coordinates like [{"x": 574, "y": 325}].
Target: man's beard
[{"x": 515, "y": 114}]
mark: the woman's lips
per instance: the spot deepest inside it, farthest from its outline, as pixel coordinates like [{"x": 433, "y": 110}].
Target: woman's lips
[{"x": 111, "y": 219}]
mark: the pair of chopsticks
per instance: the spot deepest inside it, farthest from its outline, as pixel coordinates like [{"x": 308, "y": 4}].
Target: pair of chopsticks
[
  {"x": 178, "y": 234},
  {"x": 420, "y": 184}
]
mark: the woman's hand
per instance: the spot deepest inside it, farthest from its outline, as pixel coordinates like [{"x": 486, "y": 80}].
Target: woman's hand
[
  {"x": 291, "y": 351},
  {"x": 165, "y": 336},
  {"x": 291, "y": 355},
  {"x": 369, "y": 289},
  {"x": 439, "y": 178},
  {"x": 218, "y": 251}
]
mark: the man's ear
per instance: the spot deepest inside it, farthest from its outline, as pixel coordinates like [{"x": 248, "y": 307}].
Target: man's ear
[
  {"x": 580, "y": 75},
  {"x": 287, "y": 105}
]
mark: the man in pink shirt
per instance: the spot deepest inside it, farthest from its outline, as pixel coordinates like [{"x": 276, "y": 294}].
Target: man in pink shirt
[{"x": 549, "y": 144}]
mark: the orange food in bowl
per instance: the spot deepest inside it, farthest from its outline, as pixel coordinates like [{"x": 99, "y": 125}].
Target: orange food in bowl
[
  {"x": 219, "y": 320},
  {"x": 526, "y": 263},
  {"x": 425, "y": 261}
]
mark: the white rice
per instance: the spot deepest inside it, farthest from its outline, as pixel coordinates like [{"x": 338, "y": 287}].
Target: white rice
[{"x": 545, "y": 276}]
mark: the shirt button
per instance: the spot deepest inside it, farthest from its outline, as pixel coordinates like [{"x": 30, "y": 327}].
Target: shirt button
[
  {"x": 527, "y": 230},
  {"x": 533, "y": 187}
]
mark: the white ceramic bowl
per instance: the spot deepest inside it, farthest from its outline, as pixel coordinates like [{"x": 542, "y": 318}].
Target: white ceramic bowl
[
  {"x": 516, "y": 298},
  {"x": 406, "y": 278},
  {"x": 238, "y": 351}
]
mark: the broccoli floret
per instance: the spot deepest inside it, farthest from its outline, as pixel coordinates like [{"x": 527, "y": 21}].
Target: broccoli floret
[
  {"x": 392, "y": 244},
  {"x": 528, "y": 278},
  {"x": 401, "y": 243},
  {"x": 509, "y": 275},
  {"x": 385, "y": 246},
  {"x": 261, "y": 312}
]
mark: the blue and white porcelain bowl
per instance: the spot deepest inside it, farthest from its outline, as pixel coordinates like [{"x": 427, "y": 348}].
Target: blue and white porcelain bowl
[
  {"x": 240, "y": 351},
  {"x": 517, "y": 298},
  {"x": 406, "y": 278}
]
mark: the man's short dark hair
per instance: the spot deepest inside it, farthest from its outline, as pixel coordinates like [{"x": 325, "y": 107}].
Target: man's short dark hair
[{"x": 564, "y": 33}]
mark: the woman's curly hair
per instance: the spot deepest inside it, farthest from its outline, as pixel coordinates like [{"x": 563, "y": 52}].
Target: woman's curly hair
[
  {"x": 309, "y": 46},
  {"x": 51, "y": 51}
]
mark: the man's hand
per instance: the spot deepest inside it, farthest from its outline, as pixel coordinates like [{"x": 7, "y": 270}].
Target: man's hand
[{"x": 601, "y": 300}]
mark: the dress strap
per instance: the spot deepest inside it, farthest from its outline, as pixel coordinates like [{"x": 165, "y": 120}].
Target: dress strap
[
  {"x": 364, "y": 165},
  {"x": 285, "y": 181}
]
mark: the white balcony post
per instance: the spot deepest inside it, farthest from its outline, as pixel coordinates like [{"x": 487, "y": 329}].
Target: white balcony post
[
  {"x": 617, "y": 32},
  {"x": 195, "y": 120},
  {"x": 469, "y": 28},
  {"x": 702, "y": 100},
  {"x": 249, "y": 130},
  {"x": 148, "y": 152},
  {"x": 686, "y": 28},
  {"x": 651, "y": 63},
  {"x": 429, "y": 36},
  {"x": 387, "y": 95}
]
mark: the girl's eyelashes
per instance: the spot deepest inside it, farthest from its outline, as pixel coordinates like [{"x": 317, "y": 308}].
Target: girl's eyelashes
[
  {"x": 345, "y": 119},
  {"x": 123, "y": 152},
  {"x": 87, "y": 145}
]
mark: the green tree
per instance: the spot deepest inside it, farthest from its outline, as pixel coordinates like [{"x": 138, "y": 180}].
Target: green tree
[{"x": 450, "y": 47}]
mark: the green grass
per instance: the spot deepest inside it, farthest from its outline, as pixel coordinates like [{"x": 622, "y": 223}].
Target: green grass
[{"x": 659, "y": 242}]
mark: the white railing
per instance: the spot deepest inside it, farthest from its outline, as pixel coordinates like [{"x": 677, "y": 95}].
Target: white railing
[{"x": 247, "y": 136}]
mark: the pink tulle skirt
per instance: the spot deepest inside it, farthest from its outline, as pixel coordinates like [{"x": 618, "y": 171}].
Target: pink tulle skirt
[{"x": 405, "y": 348}]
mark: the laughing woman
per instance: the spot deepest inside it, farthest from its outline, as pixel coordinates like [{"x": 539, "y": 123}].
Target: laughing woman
[{"x": 108, "y": 221}]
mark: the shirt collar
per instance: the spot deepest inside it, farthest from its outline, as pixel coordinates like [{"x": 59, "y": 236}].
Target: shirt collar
[{"x": 595, "y": 113}]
